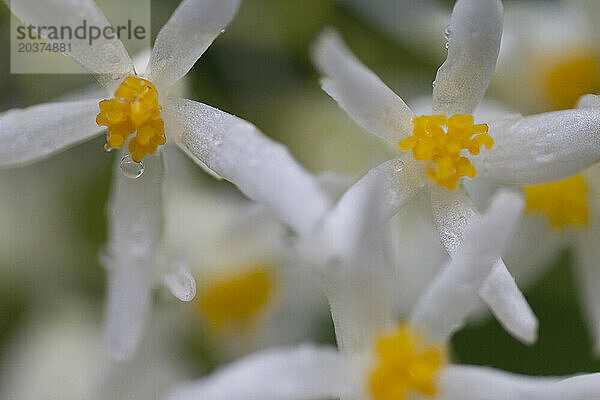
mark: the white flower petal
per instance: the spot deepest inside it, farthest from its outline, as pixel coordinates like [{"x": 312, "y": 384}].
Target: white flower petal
[
  {"x": 186, "y": 36},
  {"x": 414, "y": 241},
  {"x": 262, "y": 169},
  {"x": 135, "y": 223},
  {"x": 453, "y": 213},
  {"x": 453, "y": 294},
  {"x": 508, "y": 304},
  {"x": 347, "y": 251},
  {"x": 106, "y": 58},
  {"x": 475, "y": 33},
  {"x": 588, "y": 101},
  {"x": 305, "y": 372},
  {"x": 541, "y": 148},
  {"x": 366, "y": 99},
  {"x": 401, "y": 179},
  {"x": 34, "y": 133},
  {"x": 483, "y": 383},
  {"x": 588, "y": 278},
  {"x": 581, "y": 387}
]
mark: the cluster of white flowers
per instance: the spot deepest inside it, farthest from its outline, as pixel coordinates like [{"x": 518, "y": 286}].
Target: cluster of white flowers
[{"x": 315, "y": 239}]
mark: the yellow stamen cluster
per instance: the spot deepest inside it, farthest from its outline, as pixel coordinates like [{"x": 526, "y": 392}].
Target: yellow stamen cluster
[
  {"x": 565, "y": 202},
  {"x": 134, "y": 108},
  {"x": 237, "y": 300},
  {"x": 440, "y": 139},
  {"x": 406, "y": 363},
  {"x": 571, "y": 78}
]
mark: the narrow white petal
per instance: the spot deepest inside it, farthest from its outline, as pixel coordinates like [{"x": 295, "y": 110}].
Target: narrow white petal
[
  {"x": 106, "y": 58},
  {"x": 453, "y": 213},
  {"x": 581, "y": 387},
  {"x": 483, "y": 383},
  {"x": 475, "y": 33},
  {"x": 366, "y": 99},
  {"x": 347, "y": 251},
  {"x": 186, "y": 36},
  {"x": 541, "y": 148},
  {"x": 34, "y": 133},
  {"x": 262, "y": 169},
  {"x": 305, "y": 372},
  {"x": 401, "y": 179},
  {"x": 588, "y": 278},
  {"x": 135, "y": 223},
  {"x": 453, "y": 294},
  {"x": 508, "y": 304},
  {"x": 589, "y": 101}
]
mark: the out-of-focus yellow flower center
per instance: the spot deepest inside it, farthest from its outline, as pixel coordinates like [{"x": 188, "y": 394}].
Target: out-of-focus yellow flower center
[
  {"x": 440, "y": 140},
  {"x": 565, "y": 202},
  {"x": 571, "y": 78},
  {"x": 406, "y": 363},
  {"x": 239, "y": 299},
  {"x": 134, "y": 108}
]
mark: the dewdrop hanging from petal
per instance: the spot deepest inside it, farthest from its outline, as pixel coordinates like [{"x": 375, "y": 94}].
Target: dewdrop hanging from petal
[{"x": 135, "y": 109}]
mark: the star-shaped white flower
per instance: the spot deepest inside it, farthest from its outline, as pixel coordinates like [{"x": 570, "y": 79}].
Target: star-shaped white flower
[
  {"x": 561, "y": 214},
  {"x": 549, "y": 55},
  {"x": 378, "y": 361},
  {"x": 252, "y": 287},
  {"x": 222, "y": 143},
  {"x": 526, "y": 150}
]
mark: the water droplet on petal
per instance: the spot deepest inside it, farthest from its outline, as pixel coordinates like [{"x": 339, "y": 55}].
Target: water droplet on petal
[
  {"x": 130, "y": 168},
  {"x": 222, "y": 30},
  {"x": 433, "y": 84},
  {"x": 447, "y": 32},
  {"x": 398, "y": 166},
  {"x": 107, "y": 148},
  {"x": 181, "y": 283}
]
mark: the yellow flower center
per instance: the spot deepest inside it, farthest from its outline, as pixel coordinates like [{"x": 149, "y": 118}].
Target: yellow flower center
[
  {"x": 564, "y": 202},
  {"x": 406, "y": 362},
  {"x": 440, "y": 140},
  {"x": 571, "y": 78},
  {"x": 239, "y": 299},
  {"x": 135, "y": 108}
]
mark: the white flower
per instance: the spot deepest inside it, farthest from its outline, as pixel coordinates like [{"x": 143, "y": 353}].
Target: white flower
[
  {"x": 549, "y": 55},
  {"x": 527, "y": 150},
  {"x": 559, "y": 214},
  {"x": 380, "y": 362},
  {"x": 222, "y": 143},
  {"x": 252, "y": 289}
]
